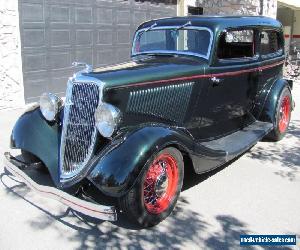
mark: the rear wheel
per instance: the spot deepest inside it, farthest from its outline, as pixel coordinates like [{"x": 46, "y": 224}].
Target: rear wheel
[
  {"x": 282, "y": 115},
  {"x": 154, "y": 195}
]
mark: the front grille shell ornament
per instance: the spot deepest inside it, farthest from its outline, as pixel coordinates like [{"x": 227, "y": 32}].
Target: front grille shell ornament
[{"x": 83, "y": 96}]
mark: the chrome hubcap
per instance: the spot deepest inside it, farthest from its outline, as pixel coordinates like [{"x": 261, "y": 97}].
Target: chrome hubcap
[{"x": 161, "y": 184}]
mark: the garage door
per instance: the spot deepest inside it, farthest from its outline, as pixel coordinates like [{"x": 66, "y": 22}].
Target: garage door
[{"x": 55, "y": 33}]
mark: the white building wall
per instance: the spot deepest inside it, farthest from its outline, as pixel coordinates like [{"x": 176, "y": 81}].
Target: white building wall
[
  {"x": 296, "y": 27},
  {"x": 270, "y": 8},
  {"x": 231, "y": 7},
  {"x": 11, "y": 77},
  {"x": 235, "y": 7}
]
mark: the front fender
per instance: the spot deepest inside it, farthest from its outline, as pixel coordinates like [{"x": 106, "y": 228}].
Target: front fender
[
  {"x": 35, "y": 135},
  {"x": 116, "y": 171},
  {"x": 268, "y": 113}
]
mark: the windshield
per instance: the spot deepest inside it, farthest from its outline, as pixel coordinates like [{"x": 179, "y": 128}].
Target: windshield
[{"x": 174, "y": 40}]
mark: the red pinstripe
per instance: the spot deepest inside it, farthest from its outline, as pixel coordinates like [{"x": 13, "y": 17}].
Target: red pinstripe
[{"x": 185, "y": 78}]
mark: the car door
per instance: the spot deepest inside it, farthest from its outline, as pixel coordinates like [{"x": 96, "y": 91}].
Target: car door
[{"x": 231, "y": 84}]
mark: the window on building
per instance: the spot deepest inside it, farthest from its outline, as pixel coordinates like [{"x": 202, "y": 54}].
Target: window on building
[
  {"x": 269, "y": 42},
  {"x": 195, "y": 10},
  {"x": 236, "y": 44}
]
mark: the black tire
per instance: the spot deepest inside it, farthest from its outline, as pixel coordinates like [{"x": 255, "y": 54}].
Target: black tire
[
  {"x": 279, "y": 131},
  {"x": 145, "y": 212}
]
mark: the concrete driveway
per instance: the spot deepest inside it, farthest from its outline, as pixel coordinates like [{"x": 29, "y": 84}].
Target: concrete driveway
[{"x": 258, "y": 193}]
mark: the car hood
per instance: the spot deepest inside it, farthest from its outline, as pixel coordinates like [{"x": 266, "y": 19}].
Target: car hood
[{"x": 147, "y": 69}]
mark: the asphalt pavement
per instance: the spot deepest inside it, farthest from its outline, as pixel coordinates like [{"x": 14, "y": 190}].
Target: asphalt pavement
[{"x": 257, "y": 193}]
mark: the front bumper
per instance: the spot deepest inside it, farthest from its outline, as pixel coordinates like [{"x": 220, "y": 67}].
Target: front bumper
[{"x": 94, "y": 210}]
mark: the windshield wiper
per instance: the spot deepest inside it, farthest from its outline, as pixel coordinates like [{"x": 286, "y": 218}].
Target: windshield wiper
[
  {"x": 148, "y": 29},
  {"x": 184, "y": 25}
]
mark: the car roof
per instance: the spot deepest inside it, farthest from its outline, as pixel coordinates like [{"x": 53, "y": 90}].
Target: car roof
[{"x": 216, "y": 22}]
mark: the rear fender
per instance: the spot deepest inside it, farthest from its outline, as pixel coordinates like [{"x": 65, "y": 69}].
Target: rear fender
[{"x": 266, "y": 110}]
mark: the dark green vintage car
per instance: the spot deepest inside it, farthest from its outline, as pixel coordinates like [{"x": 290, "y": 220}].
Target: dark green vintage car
[{"x": 198, "y": 92}]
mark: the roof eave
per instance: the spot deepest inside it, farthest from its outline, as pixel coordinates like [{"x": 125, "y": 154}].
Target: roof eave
[{"x": 295, "y": 5}]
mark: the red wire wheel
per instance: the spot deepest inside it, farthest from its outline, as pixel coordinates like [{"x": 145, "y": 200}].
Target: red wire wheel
[
  {"x": 160, "y": 184},
  {"x": 153, "y": 196},
  {"x": 284, "y": 114}
]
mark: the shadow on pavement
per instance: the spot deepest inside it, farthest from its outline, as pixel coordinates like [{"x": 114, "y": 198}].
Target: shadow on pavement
[
  {"x": 285, "y": 154},
  {"x": 192, "y": 179},
  {"x": 229, "y": 236},
  {"x": 181, "y": 227}
]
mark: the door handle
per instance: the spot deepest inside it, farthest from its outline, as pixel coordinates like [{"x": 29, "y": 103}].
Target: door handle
[{"x": 216, "y": 81}]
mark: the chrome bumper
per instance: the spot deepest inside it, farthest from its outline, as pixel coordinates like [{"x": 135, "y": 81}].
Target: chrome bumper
[{"x": 88, "y": 208}]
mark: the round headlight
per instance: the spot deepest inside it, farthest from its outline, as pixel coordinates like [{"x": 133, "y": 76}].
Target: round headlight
[
  {"x": 50, "y": 105},
  {"x": 107, "y": 118}
]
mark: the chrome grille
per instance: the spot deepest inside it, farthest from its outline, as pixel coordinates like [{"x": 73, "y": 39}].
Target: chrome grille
[{"x": 79, "y": 130}]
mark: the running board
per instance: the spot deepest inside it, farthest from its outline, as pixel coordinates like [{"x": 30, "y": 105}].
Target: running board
[{"x": 240, "y": 141}]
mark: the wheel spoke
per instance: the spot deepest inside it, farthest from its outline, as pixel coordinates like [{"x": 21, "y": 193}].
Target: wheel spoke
[
  {"x": 284, "y": 114},
  {"x": 160, "y": 183}
]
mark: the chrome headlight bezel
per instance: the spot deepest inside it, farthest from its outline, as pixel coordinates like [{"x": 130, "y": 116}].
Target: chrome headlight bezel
[
  {"x": 107, "y": 118},
  {"x": 50, "y": 105}
]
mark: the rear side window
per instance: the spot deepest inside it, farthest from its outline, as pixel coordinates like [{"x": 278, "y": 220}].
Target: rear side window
[
  {"x": 236, "y": 44},
  {"x": 270, "y": 42}
]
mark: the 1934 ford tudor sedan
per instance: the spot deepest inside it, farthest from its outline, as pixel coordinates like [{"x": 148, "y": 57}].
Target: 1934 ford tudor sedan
[{"x": 198, "y": 92}]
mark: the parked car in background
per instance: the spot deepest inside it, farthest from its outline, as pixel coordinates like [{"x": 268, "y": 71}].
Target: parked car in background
[{"x": 197, "y": 92}]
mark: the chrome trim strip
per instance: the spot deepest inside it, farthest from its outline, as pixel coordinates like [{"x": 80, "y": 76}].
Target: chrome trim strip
[
  {"x": 88, "y": 208},
  {"x": 175, "y": 52},
  {"x": 63, "y": 139}
]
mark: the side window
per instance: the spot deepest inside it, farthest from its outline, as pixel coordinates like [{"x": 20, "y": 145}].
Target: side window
[
  {"x": 236, "y": 44},
  {"x": 269, "y": 42}
]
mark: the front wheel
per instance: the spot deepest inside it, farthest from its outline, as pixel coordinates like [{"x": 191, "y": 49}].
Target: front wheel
[
  {"x": 282, "y": 115},
  {"x": 154, "y": 195}
]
